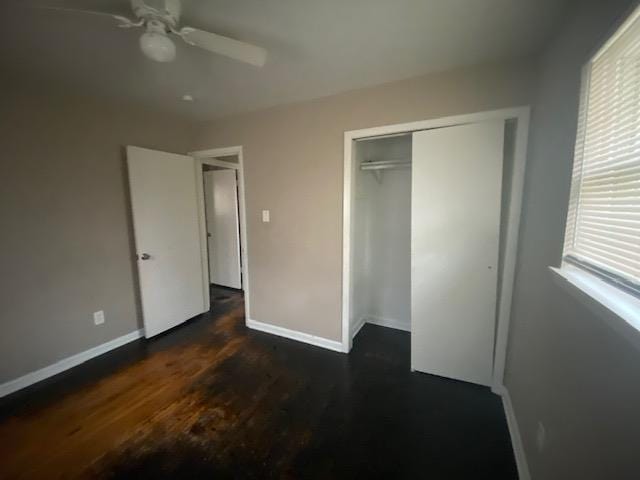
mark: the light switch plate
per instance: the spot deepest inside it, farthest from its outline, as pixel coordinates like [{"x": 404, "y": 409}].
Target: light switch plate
[
  {"x": 98, "y": 317},
  {"x": 266, "y": 216}
]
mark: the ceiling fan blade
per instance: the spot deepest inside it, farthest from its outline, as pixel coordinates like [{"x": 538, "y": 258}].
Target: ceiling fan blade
[
  {"x": 123, "y": 21},
  {"x": 226, "y": 46}
]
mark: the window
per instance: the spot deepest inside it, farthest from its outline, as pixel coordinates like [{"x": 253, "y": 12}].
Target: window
[{"x": 603, "y": 223}]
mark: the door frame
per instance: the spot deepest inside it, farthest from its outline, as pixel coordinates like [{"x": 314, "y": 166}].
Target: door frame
[
  {"x": 210, "y": 157},
  {"x": 522, "y": 117}
]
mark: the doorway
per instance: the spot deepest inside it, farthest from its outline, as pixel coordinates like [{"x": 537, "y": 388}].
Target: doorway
[
  {"x": 170, "y": 229},
  {"x": 222, "y": 219},
  {"x": 221, "y": 192},
  {"x": 455, "y": 303}
]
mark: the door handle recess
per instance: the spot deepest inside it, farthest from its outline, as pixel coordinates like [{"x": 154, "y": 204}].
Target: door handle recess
[{"x": 145, "y": 256}]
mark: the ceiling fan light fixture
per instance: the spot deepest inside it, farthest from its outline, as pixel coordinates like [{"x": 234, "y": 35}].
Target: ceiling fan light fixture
[
  {"x": 162, "y": 19},
  {"x": 156, "y": 45}
]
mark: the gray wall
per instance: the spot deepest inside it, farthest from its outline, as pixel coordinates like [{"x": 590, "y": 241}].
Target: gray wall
[
  {"x": 294, "y": 160},
  {"x": 66, "y": 246},
  {"x": 567, "y": 367}
]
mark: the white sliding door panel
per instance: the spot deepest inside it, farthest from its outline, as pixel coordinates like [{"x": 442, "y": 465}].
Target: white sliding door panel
[
  {"x": 221, "y": 196},
  {"x": 165, "y": 219},
  {"x": 455, "y": 221}
]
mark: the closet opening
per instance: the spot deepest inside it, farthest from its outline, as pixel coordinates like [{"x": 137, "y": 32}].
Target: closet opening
[
  {"x": 381, "y": 233},
  {"x": 431, "y": 218}
]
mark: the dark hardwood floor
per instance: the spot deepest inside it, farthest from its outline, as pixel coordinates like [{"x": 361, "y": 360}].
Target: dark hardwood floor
[{"x": 211, "y": 399}]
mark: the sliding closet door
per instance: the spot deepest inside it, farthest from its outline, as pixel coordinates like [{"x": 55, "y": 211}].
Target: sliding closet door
[{"x": 455, "y": 221}]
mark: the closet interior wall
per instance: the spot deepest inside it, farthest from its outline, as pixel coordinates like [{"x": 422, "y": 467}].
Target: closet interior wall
[{"x": 381, "y": 237}]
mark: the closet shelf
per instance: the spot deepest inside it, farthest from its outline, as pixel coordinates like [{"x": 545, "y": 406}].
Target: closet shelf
[{"x": 385, "y": 165}]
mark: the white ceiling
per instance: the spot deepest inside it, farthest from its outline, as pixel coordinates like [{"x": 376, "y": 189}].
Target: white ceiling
[{"x": 316, "y": 47}]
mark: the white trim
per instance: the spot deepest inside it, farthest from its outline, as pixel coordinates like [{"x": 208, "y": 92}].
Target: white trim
[
  {"x": 202, "y": 227},
  {"x": 208, "y": 157},
  {"x": 514, "y": 432},
  {"x": 217, "y": 152},
  {"x": 511, "y": 244},
  {"x": 220, "y": 163},
  {"x": 295, "y": 335},
  {"x": 618, "y": 309},
  {"x": 503, "y": 114},
  {"x": 357, "y": 327},
  {"x": 522, "y": 115},
  {"x": 66, "y": 363},
  {"x": 347, "y": 200},
  {"x": 389, "y": 323}
]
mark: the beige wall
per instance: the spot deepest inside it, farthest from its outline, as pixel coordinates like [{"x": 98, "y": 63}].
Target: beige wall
[
  {"x": 66, "y": 247},
  {"x": 294, "y": 157},
  {"x": 566, "y": 367}
]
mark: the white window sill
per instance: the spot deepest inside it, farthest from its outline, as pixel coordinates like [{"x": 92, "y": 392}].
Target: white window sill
[{"x": 617, "y": 308}]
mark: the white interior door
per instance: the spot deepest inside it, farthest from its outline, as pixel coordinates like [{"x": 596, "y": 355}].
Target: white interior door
[
  {"x": 223, "y": 227},
  {"x": 165, "y": 221},
  {"x": 455, "y": 222}
]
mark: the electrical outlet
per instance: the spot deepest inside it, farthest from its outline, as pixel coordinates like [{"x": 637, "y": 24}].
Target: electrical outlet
[
  {"x": 98, "y": 317},
  {"x": 541, "y": 437},
  {"x": 266, "y": 216}
]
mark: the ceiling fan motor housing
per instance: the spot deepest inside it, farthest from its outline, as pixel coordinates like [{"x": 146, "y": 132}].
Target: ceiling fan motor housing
[{"x": 168, "y": 14}]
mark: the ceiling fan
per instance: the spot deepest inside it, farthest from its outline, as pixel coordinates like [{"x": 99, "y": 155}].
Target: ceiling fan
[{"x": 160, "y": 23}]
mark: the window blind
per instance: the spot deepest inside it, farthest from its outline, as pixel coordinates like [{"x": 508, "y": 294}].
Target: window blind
[{"x": 603, "y": 222}]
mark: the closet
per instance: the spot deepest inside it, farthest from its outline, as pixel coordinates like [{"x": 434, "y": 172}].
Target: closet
[
  {"x": 427, "y": 224},
  {"x": 382, "y": 233}
]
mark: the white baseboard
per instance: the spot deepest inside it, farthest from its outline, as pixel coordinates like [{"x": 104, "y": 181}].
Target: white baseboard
[
  {"x": 389, "y": 323},
  {"x": 355, "y": 328},
  {"x": 295, "y": 335},
  {"x": 65, "y": 364},
  {"x": 514, "y": 431}
]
